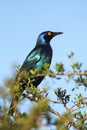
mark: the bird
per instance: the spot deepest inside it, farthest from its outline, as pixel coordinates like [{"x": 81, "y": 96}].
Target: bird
[{"x": 40, "y": 55}]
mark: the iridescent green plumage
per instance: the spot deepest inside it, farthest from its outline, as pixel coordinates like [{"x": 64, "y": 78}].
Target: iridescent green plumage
[{"x": 37, "y": 58}]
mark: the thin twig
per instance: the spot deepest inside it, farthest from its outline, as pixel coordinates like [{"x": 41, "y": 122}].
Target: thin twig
[
  {"x": 53, "y": 74},
  {"x": 78, "y": 102},
  {"x": 53, "y": 101},
  {"x": 54, "y": 112},
  {"x": 67, "y": 74}
]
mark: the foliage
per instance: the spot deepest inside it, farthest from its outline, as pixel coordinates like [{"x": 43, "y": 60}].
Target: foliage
[{"x": 74, "y": 105}]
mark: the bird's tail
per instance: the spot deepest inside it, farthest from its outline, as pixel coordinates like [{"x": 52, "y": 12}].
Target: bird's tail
[{"x": 13, "y": 106}]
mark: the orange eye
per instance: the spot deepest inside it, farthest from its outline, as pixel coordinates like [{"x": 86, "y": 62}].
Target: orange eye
[{"x": 49, "y": 33}]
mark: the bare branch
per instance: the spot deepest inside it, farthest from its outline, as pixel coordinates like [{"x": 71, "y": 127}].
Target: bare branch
[{"x": 55, "y": 113}]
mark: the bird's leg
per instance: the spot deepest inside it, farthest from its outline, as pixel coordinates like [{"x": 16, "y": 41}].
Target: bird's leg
[{"x": 13, "y": 106}]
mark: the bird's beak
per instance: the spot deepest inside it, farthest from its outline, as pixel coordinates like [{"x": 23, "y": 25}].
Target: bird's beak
[{"x": 57, "y": 33}]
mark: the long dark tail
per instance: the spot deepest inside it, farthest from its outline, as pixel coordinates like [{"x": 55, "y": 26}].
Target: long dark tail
[{"x": 13, "y": 106}]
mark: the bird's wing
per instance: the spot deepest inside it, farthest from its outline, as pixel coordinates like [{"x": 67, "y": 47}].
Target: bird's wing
[{"x": 31, "y": 60}]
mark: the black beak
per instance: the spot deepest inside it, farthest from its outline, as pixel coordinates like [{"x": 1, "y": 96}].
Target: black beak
[{"x": 57, "y": 33}]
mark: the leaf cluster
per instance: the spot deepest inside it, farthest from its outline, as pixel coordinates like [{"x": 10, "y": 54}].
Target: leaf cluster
[{"x": 74, "y": 115}]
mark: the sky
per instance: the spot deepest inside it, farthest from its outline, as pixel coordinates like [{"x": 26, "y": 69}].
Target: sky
[{"x": 21, "y": 21}]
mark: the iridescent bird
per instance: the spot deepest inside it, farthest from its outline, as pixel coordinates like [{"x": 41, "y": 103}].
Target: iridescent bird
[{"x": 40, "y": 55}]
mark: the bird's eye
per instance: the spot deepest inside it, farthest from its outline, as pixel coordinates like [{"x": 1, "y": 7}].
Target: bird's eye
[{"x": 49, "y": 33}]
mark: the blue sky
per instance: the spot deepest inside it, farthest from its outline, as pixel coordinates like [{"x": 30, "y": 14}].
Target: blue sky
[{"x": 22, "y": 21}]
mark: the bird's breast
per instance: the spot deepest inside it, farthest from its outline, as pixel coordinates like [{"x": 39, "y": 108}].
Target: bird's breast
[{"x": 45, "y": 57}]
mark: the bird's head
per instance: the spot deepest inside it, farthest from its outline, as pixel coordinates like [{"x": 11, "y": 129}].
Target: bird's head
[{"x": 45, "y": 37}]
